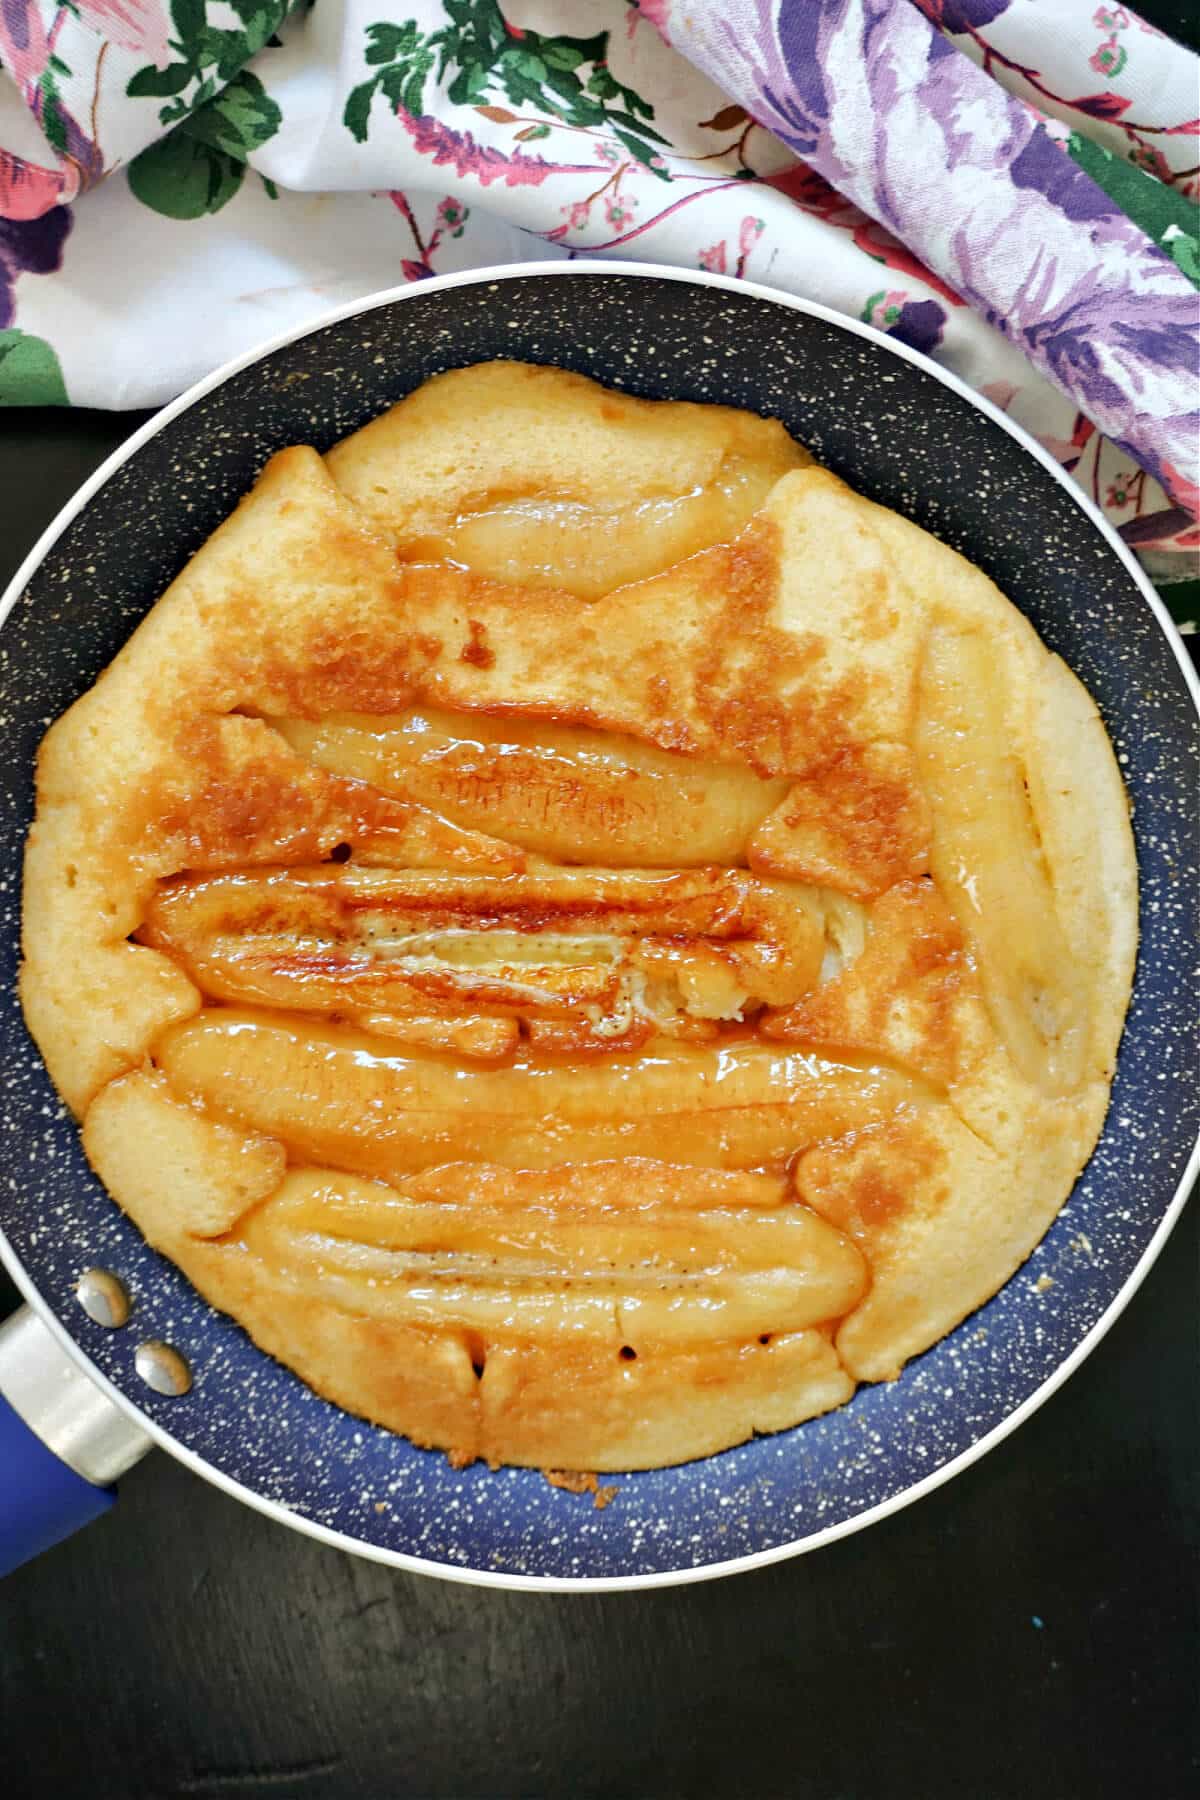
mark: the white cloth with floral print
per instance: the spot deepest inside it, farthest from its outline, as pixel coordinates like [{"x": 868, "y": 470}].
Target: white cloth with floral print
[{"x": 167, "y": 268}]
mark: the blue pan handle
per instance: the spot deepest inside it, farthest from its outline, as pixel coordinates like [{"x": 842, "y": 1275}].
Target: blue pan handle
[
  {"x": 62, "y": 1442},
  {"x": 42, "y": 1499}
]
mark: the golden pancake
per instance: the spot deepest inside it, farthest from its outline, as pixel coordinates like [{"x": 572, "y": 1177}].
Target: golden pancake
[{"x": 583, "y": 934}]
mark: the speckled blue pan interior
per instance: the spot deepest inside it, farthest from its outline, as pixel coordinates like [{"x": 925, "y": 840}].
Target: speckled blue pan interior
[{"x": 903, "y": 438}]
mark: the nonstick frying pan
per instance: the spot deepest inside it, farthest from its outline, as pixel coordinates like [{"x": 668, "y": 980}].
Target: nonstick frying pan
[{"x": 903, "y": 432}]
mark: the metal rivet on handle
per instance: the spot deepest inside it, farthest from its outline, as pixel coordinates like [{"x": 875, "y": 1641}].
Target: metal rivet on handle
[
  {"x": 162, "y": 1368},
  {"x": 103, "y": 1297}
]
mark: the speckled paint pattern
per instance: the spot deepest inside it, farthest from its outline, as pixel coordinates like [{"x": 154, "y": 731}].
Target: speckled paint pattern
[{"x": 901, "y": 437}]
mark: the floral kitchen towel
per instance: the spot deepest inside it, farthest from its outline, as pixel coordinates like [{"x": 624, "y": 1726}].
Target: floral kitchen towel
[{"x": 1007, "y": 185}]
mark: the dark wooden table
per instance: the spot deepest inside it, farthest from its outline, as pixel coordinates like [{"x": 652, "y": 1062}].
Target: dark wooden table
[{"x": 1030, "y": 1630}]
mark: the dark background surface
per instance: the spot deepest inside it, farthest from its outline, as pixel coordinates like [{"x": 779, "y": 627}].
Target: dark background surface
[{"x": 1031, "y": 1629}]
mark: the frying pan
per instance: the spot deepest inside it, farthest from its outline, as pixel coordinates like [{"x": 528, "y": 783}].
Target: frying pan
[{"x": 905, "y": 433}]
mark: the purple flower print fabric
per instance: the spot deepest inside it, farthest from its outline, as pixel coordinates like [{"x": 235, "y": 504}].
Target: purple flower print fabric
[
  {"x": 882, "y": 105},
  {"x": 29, "y": 247}
]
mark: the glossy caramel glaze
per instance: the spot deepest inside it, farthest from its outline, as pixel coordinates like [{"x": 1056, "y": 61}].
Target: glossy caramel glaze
[
  {"x": 586, "y": 957},
  {"x": 612, "y": 952}
]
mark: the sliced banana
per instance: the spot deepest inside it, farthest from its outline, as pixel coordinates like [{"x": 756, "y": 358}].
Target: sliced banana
[
  {"x": 641, "y": 1274},
  {"x": 342, "y": 1098},
  {"x": 563, "y": 791},
  {"x": 988, "y": 863},
  {"x": 423, "y": 955}
]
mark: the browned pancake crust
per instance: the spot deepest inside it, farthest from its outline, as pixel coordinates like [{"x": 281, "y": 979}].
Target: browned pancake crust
[{"x": 582, "y": 972}]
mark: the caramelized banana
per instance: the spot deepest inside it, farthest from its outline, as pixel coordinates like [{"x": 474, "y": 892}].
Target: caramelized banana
[
  {"x": 555, "y": 541},
  {"x": 338, "y": 1097},
  {"x": 547, "y": 479},
  {"x": 606, "y": 950},
  {"x": 987, "y": 861},
  {"x": 642, "y": 1274},
  {"x": 559, "y": 790}
]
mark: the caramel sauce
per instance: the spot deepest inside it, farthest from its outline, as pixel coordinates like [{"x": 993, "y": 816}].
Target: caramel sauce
[
  {"x": 558, "y": 1100},
  {"x": 349, "y": 1099},
  {"x": 543, "y": 541},
  {"x": 672, "y": 951},
  {"x": 597, "y": 898},
  {"x": 534, "y": 1103}
]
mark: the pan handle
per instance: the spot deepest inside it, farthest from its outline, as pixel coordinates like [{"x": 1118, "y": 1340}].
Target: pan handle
[{"x": 62, "y": 1442}]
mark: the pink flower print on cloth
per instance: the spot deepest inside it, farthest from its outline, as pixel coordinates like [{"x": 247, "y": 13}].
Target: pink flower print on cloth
[
  {"x": 1102, "y": 70},
  {"x": 1109, "y": 59},
  {"x": 139, "y": 26}
]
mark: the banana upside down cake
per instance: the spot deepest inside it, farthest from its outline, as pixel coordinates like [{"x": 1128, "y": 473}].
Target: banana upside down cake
[{"x": 585, "y": 936}]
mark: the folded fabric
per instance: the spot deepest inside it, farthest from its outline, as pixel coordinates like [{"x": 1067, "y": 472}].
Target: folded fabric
[
  {"x": 104, "y": 78},
  {"x": 865, "y": 153},
  {"x": 1078, "y": 62}
]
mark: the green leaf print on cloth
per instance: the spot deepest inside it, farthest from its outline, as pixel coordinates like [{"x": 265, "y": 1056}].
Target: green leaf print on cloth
[
  {"x": 200, "y": 166},
  {"x": 239, "y": 120},
  {"x": 1166, "y": 216},
  {"x": 210, "y": 56},
  {"x": 29, "y": 372},
  {"x": 1185, "y": 250},
  {"x": 566, "y": 77}
]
